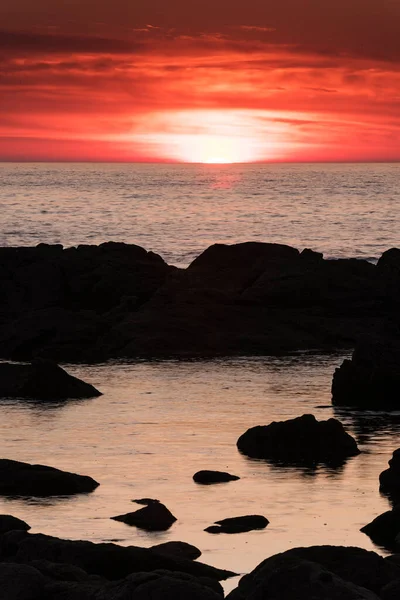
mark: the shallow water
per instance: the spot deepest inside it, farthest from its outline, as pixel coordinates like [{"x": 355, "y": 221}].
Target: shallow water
[
  {"x": 160, "y": 422},
  {"x": 343, "y": 210}
]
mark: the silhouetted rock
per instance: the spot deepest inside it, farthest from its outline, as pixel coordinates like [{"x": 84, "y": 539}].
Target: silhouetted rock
[
  {"x": 390, "y": 479},
  {"x": 153, "y": 517},
  {"x": 289, "y": 577},
  {"x": 385, "y": 528},
  {"x": 10, "y": 523},
  {"x": 42, "y": 380},
  {"x": 210, "y": 477},
  {"x": 371, "y": 379},
  {"x": 300, "y": 440},
  {"x": 21, "y": 582},
  {"x": 160, "y": 585},
  {"x": 60, "y": 571},
  {"x": 115, "y": 300},
  {"x": 109, "y": 561},
  {"x": 23, "y": 479},
  {"x": 178, "y": 550},
  {"x": 239, "y": 524},
  {"x": 391, "y": 591}
]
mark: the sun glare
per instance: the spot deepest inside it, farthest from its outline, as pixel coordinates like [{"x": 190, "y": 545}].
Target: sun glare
[{"x": 216, "y": 136}]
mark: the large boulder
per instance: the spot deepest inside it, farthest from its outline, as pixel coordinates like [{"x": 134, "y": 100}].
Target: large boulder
[
  {"x": 21, "y": 582},
  {"x": 385, "y": 528},
  {"x": 371, "y": 379},
  {"x": 109, "y": 561},
  {"x": 10, "y": 523},
  {"x": 318, "y": 572},
  {"x": 303, "y": 440},
  {"x": 211, "y": 477},
  {"x": 57, "y": 303},
  {"x": 42, "y": 380},
  {"x": 159, "y": 585},
  {"x": 23, "y": 479},
  {"x": 155, "y": 516}
]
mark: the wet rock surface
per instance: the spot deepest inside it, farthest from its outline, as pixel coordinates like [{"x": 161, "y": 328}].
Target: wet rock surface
[
  {"x": 23, "y": 479},
  {"x": 303, "y": 440},
  {"x": 42, "y": 380}
]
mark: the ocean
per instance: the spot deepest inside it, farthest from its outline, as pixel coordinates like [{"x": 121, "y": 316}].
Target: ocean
[
  {"x": 180, "y": 210},
  {"x": 160, "y": 422}
]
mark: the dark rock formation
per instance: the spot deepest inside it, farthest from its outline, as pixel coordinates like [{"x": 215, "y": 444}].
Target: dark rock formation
[
  {"x": 178, "y": 550},
  {"x": 10, "y": 523},
  {"x": 160, "y": 585},
  {"x": 116, "y": 300},
  {"x": 303, "y": 440},
  {"x": 109, "y": 561},
  {"x": 153, "y": 517},
  {"x": 21, "y": 582},
  {"x": 385, "y": 528},
  {"x": 57, "y": 303},
  {"x": 23, "y": 479},
  {"x": 319, "y": 572},
  {"x": 42, "y": 380},
  {"x": 371, "y": 379},
  {"x": 210, "y": 477},
  {"x": 296, "y": 579},
  {"x": 239, "y": 524},
  {"x": 390, "y": 479}
]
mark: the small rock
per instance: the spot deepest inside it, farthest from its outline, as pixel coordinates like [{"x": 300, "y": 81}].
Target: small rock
[
  {"x": 153, "y": 517},
  {"x": 238, "y": 524},
  {"x": 178, "y": 550},
  {"x": 385, "y": 528},
  {"x": 210, "y": 477}
]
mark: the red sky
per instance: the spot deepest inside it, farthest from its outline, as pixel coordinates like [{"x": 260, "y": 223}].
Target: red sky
[{"x": 191, "y": 80}]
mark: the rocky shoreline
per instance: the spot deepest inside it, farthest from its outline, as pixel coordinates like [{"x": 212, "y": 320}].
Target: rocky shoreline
[{"x": 94, "y": 303}]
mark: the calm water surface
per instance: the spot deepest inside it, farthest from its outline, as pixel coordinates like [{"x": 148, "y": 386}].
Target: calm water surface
[
  {"x": 179, "y": 210},
  {"x": 158, "y": 423}
]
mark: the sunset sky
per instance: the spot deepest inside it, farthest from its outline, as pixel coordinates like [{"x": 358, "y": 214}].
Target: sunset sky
[{"x": 200, "y": 81}]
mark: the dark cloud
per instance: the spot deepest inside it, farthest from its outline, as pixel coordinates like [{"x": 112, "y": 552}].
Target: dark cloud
[{"x": 20, "y": 42}]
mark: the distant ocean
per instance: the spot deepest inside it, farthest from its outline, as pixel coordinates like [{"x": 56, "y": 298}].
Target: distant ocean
[{"x": 342, "y": 210}]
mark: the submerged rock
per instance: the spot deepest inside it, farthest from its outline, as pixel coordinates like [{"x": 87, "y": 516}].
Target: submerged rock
[
  {"x": 239, "y": 524},
  {"x": 210, "y": 477},
  {"x": 298, "y": 441},
  {"x": 24, "y": 479},
  {"x": 42, "y": 380},
  {"x": 371, "y": 379},
  {"x": 153, "y": 517}
]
